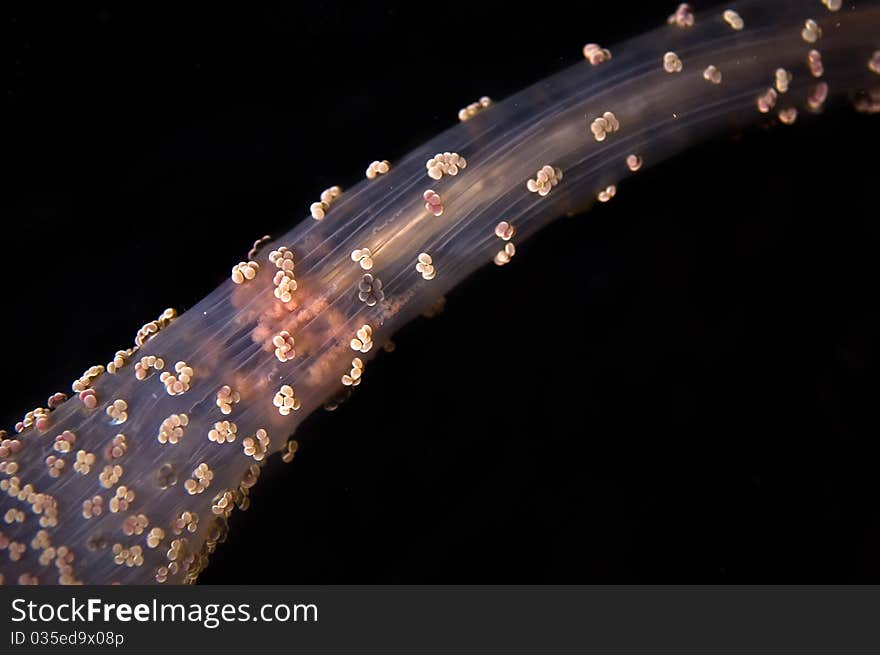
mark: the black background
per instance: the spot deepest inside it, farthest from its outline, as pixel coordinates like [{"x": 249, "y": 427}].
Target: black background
[{"x": 680, "y": 386}]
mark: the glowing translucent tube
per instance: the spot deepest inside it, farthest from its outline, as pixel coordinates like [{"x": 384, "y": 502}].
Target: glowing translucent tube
[{"x": 131, "y": 480}]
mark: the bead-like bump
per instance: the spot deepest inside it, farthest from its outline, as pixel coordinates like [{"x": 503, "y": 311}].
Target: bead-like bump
[
  {"x": 256, "y": 446},
  {"x": 504, "y": 255},
  {"x": 607, "y": 193},
  {"x": 117, "y": 411},
  {"x": 545, "y": 179},
  {"x": 811, "y": 31},
  {"x": 733, "y": 19},
  {"x": 364, "y": 257},
  {"x": 377, "y": 168},
  {"x": 171, "y": 430},
  {"x": 874, "y": 62},
  {"x": 504, "y": 231},
  {"x": 290, "y": 451},
  {"x": 363, "y": 341},
  {"x": 284, "y": 281},
  {"x": 285, "y": 400},
  {"x": 596, "y": 54},
  {"x": 425, "y": 266},
  {"x": 121, "y": 499},
  {"x": 433, "y": 202},
  {"x": 110, "y": 475},
  {"x": 474, "y": 108},
  {"x": 370, "y": 290},
  {"x": 155, "y": 537},
  {"x": 223, "y": 432},
  {"x": 766, "y": 101},
  {"x": 788, "y": 115},
  {"x": 445, "y": 163},
  {"x": 84, "y": 462},
  {"x": 201, "y": 480},
  {"x": 683, "y": 16},
  {"x": 353, "y": 378},
  {"x": 672, "y": 63},
  {"x": 814, "y": 63},
  {"x": 712, "y": 74},
  {"x": 320, "y": 208},
  {"x": 606, "y": 124},
  {"x": 284, "y": 345},
  {"x": 244, "y": 271},
  {"x": 782, "y": 80},
  {"x": 226, "y": 398},
  {"x": 818, "y": 95}
]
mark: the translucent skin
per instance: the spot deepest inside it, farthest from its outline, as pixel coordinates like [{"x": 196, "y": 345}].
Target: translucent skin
[{"x": 226, "y": 338}]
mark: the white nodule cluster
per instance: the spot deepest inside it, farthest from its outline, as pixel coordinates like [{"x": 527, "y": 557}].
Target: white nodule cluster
[
  {"x": 363, "y": 342},
  {"x": 607, "y": 193},
  {"x": 672, "y": 63},
  {"x": 712, "y": 74},
  {"x": 226, "y": 398},
  {"x": 244, "y": 271},
  {"x": 171, "y": 430},
  {"x": 504, "y": 255},
  {"x": 186, "y": 522},
  {"x": 85, "y": 380},
  {"x": 117, "y": 411},
  {"x": 788, "y": 115},
  {"x": 364, "y": 257},
  {"x": 92, "y": 507},
  {"x": 149, "y": 330},
  {"x": 285, "y": 283},
  {"x": 782, "y": 80},
  {"x": 223, "y": 432},
  {"x": 596, "y": 54},
  {"x": 176, "y": 385},
  {"x": 606, "y": 124},
  {"x": 155, "y": 537},
  {"x": 143, "y": 367},
  {"x": 733, "y": 19},
  {"x": 135, "y": 524},
  {"x": 353, "y": 378},
  {"x": 370, "y": 290},
  {"x": 445, "y": 163},
  {"x": 64, "y": 442},
  {"x": 285, "y": 400},
  {"x": 433, "y": 202},
  {"x": 814, "y": 63},
  {"x": 474, "y": 108},
  {"x": 377, "y": 168},
  {"x": 874, "y": 62},
  {"x": 201, "y": 480},
  {"x": 84, "y": 462},
  {"x": 683, "y": 16},
  {"x": 54, "y": 466},
  {"x": 767, "y": 101},
  {"x": 811, "y": 31},
  {"x": 545, "y": 179},
  {"x": 504, "y": 231},
  {"x": 256, "y": 446},
  {"x": 320, "y": 208},
  {"x": 116, "y": 448},
  {"x": 425, "y": 266},
  {"x": 817, "y": 97},
  {"x": 284, "y": 346},
  {"x": 110, "y": 475},
  {"x": 120, "y": 359}
]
